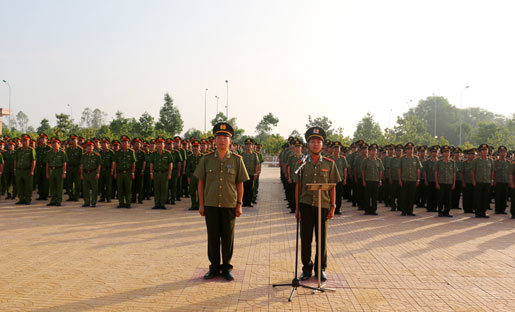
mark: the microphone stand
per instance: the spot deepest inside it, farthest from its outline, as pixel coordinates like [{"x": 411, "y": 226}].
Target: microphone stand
[{"x": 295, "y": 283}]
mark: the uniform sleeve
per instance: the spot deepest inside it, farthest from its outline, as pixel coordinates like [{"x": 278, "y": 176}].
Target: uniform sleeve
[
  {"x": 33, "y": 154},
  {"x": 133, "y": 156},
  {"x": 381, "y": 165},
  {"x": 65, "y": 157},
  {"x": 455, "y": 168},
  {"x": 200, "y": 171},
  {"x": 243, "y": 175},
  {"x": 419, "y": 164},
  {"x": 334, "y": 176}
]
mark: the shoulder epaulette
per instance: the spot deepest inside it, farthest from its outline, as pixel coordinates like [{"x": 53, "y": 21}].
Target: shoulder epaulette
[
  {"x": 97, "y": 154},
  {"x": 327, "y": 158},
  {"x": 208, "y": 153},
  {"x": 237, "y": 155}
]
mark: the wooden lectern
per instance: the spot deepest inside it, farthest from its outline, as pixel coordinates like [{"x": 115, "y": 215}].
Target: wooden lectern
[{"x": 320, "y": 187}]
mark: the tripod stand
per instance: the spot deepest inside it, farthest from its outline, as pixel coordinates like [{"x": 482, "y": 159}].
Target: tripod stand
[{"x": 295, "y": 283}]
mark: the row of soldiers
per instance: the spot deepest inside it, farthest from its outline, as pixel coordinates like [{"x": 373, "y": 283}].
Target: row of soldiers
[
  {"x": 401, "y": 176},
  {"x": 130, "y": 170}
]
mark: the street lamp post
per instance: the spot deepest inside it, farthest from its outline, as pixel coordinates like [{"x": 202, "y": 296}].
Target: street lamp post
[
  {"x": 227, "y": 101},
  {"x": 10, "y": 113},
  {"x": 217, "y": 98},
  {"x": 461, "y": 109},
  {"x": 205, "y": 110}
]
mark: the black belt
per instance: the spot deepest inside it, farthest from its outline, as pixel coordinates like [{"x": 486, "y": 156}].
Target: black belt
[
  {"x": 55, "y": 167},
  {"x": 160, "y": 171},
  {"x": 90, "y": 171},
  {"x": 123, "y": 171}
]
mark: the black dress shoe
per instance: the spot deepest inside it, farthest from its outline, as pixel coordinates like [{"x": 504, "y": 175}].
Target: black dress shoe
[
  {"x": 85, "y": 205},
  {"x": 119, "y": 206},
  {"x": 447, "y": 215},
  {"x": 178, "y": 199},
  {"x": 323, "y": 277},
  {"x": 50, "y": 204},
  {"x": 57, "y": 204},
  {"x": 292, "y": 211},
  {"x": 227, "y": 276},
  {"x": 140, "y": 202},
  {"x": 411, "y": 214},
  {"x": 501, "y": 213},
  {"x": 155, "y": 207},
  {"x": 93, "y": 205},
  {"x": 128, "y": 206},
  {"x": 403, "y": 214},
  {"x": 27, "y": 203},
  {"x": 393, "y": 209},
  {"x": 211, "y": 274},
  {"x": 336, "y": 212},
  {"x": 373, "y": 213},
  {"x": 191, "y": 208},
  {"x": 305, "y": 275}
]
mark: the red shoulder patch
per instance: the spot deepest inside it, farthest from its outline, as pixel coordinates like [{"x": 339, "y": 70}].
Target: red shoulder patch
[
  {"x": 327, "y": 158},
  {"x": 237, "y": 155}
]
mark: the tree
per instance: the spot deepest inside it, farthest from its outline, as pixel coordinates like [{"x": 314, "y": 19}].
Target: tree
[
  {"x": 98, "y": 118},
  {"x": 368, "y": 130},
  {"x": 338, "y": 136},
  {"x": 264, "y": 127},
  {"x": 169, "y": 117},
  {"x": 23, "y": 121},
  {"x": 144, "y": 127},
  {"x": 64, "y": 125},
  {"x": 296, "y": 134},
  {"x": 85, "y": 119},
  {"x": 121, "y": 125},
  {"x": 322, "y": 122},
  {"x": 44, "y": 126},
  {"x": 194, "y": 133},
  {"x": 105, "y": 132},
  {"x": 273, "y": 144}
]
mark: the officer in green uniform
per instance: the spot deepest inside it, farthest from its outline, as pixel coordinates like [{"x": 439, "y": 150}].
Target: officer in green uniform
[
  {"x": 137, "y": 185},
  {"x": 147, "y": 181},
  {"x": 318, "y": 169},
  {"x": 360, "y": 190},
  {"x": 184, "y": 191},
  {"x": 341, "y": 165},
  {"x": 9, "y": 178},
  {"x": 41, "y": 180},
  {"x": 89, "y": 174},
  {"x": 220, "y": 187},
  {"x": 457, "y": 155},
  {"x": 124, "y": 162},
  {"x": 387, "y": 192},
  {"x": 512, "y": 186},
  {"x": 179, "y": 154},
  {"x": 292, "y": 165},
  {"x": 161, "y": 163},
  {"x": 466, "y": 180},
  {"x": 177, "y": 168},
  {"x": 430, "y": 183},
  {"x": 482, "y": 179},
  {"x": 74, "y": 153},
  {"x": 191, "y": 164},
  {"x": 409, "y": 173},
  {"x": 502, "y": 168},
  {"x": 395, "y": 187},
  {"x": 372, "y": 175},
  {"x": 256, "y": 181},
  {"x": 56, "y": 162},
  {"x": 445, "y": 181},
  {"x": 251, "y": 162},
  {"x": 24, "y": 164},
  {"x": 105, "y": 183}
]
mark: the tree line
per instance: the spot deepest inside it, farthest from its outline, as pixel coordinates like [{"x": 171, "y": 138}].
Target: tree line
[{"x": 417, "y": 125}]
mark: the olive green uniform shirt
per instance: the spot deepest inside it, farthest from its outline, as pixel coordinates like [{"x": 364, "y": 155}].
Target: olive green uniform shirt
[
  {"x": 409, "y": 168},
  {"x": 395, "y": 164},
  {"x": 9, "y": 161},
  {"x": 221, "y": 178},
  {"x": 161, "y": 162},
  {"x": 446, "y": 171},
  {"x": 467, "y": 171},
  {"x": 90, "y": 162},
  {"x": 430, "y": 168},
  {"x": 358, "y": 160},
  {"x": 74, "y": 155},
  {"x": 482, "y": 170},
  {"x": 323, "y": 172},
  {"x": 192, "y": 163},
  {"x": 341, "y": 164},
  {"x": 106, "y": 159},
  {"x": 24, "y": 158},
  {"x": 502, "y": 171},
  {"x": 372, "y": 168},
  {"x": 293, "y": 163},
  {"x": 56, "y": 159},
  {"x": 124, "y": 160},
  {"x": 250, "y": 160}
]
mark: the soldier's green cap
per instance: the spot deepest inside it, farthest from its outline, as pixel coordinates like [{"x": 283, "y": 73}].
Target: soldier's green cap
[
  {"x": 457, "y": 150},
  {"x": 160, "y": 140},
  {"x": 116, "y": 142},
  {"x": 223, "y": 129},
  {"x": 337, "y": 144},
  {"x": 502, "y": 148},
  {"x": 125, "y": 138},
  {"x": 409, "y": 145},
  {"x": 482, "y": 147},
  {"x": 445, "y": 148},
  {"x": 25, "y": 136},
  {"x": 373, "y": 146},
  {"x": 315, "y": 132},
  {"x": 297, "y": 142},
  {"x": 248, "y": 141},
  {"x": 89, "y": 142},
  {"x": 364, "y": 145}
]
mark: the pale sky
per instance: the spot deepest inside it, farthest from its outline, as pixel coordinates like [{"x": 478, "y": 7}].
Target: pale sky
[{"x": 340, "y": 59}]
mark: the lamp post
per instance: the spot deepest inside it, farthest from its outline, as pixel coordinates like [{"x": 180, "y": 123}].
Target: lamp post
[
  {"x": 227, "y": 100},
  {"x": 10, "y": 114},
  {"x": 217, "y": 98},
  {"x": 205, "y": 110},
  {"x": 461, "y": 109}
]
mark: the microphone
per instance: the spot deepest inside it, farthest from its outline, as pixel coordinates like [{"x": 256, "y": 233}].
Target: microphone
[{"x": 303, "y": 163}]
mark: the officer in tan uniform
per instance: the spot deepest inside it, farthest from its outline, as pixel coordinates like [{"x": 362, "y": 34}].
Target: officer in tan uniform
[{"x": 220, "y": 189}]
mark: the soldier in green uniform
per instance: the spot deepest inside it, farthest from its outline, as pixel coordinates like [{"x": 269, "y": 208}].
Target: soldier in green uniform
[
  {"x": 372, "y": 175},
  {"x": 89, "y": 174},
  {"x": 512, "y": 186},
  {"x": 256, "y": 181},
  {"x": 482, "y": 179},
  {"x": 251, "y": 162},
  {"x": 429, "y": 177},
  {"x": 502, "y": 168},
  {"x": 395, "y": 187},
  {"x": 466, "y": 182},
  {"x": 180, "y": 167},
  {"x": 177, "y": 168},
  {"x": 147, "y": 182},
  {"x": 409, "y": 174},
  {"x": 74, "y": 153},
  {"x": 184, "y": 191},
  {"x": 360, "y": 190},
  {"x": 105, "y": 183},
  {"x": 137, "y": 184},
  {"x": 56, "y": 162},
  {"x": 191, "y": 164},
  {"x": 24, "y": 164},
  {"x": 41, "y": 180},
  {"x": 161, "y": 162},
  {"x": 420, "y": 197},
  {"x": 292, "y": 165},
  {"x": 445, "y": 177},
  {"x": 341, "y": 165},
  {"x": 317, "y": 169},
  {"x": 9, "y": 178},
  {"x": 457, "y": 155},
  {"x": 221, "y": 175},
  {"x": 124, "y": 162},
  {"x": 387, "y": 191}
]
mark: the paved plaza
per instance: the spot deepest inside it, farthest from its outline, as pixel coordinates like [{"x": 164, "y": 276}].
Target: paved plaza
[{"x": 71, "y": 258}]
